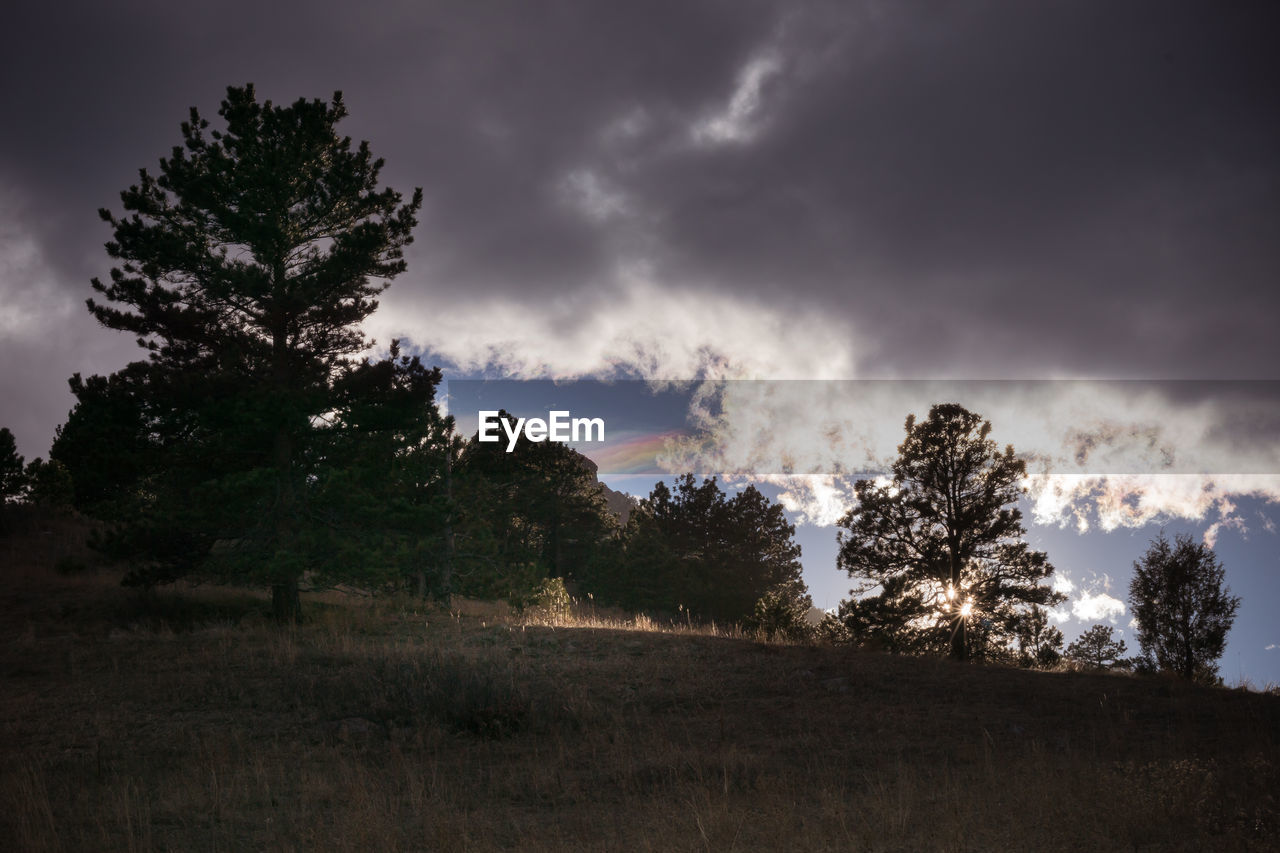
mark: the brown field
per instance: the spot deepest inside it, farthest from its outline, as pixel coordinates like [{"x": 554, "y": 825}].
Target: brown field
[{"x": 187, "y": 722}]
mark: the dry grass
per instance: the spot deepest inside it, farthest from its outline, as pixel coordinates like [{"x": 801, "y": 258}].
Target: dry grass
[{"x": 188, "y": 723}]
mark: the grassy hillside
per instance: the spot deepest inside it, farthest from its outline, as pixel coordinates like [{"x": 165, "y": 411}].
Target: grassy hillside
[{"x": 188, "y": 723}]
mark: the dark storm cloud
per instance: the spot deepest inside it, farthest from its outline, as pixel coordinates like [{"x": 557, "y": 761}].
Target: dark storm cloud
[
  {"x": 972, "y": 189},
  {"x": 1061, "y": 185},
  {"x": 482, "y": 105}
]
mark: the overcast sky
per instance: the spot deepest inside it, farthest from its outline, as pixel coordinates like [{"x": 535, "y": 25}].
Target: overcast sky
[{"x": 677, "y": 189}]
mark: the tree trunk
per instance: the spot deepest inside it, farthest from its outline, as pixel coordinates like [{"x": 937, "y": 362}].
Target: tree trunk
[
  {"x": 959, "y": 646},
  {"x": 444, "y": 588},
  {"x": 557, "y": 557},
  {"x": 286, "y": 606}
]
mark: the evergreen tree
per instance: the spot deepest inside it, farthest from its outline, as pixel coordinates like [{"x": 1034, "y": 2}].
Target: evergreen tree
[
  {"x": 566, "y": 502},
  {"x": 49, "y": 484},
  {"x": 12, "y": 481},
  {"x": 109, "y": 443},
  {"x": 1097, "y": 648},
  {"x": 692, "y": 548},
  {"x": 782, "y": 612},
  {"x": 247, "y": 266},
  {"x": 1182, "y": 607},
  {"x": 758, "y": 557},
  {"x": 378, "y": 492},
  {"x": 1039, "y": 643},
  {"x": 938, "y": 546},
  {"x": 524, "y": 516}
]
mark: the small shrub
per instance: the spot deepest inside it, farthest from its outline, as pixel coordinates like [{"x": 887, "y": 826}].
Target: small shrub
[
  {"x": 831, "y": 631},
  {"x": 549, "y": 600},
  {"x": 780, "y": 614}
]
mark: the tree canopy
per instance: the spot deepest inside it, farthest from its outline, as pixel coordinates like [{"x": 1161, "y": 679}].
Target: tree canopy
[
  {"x": 12, "y": 481},
  {"x": 49, "y": 484},
  {"x": 246, "y": 267},
  {"x": 534, "y": 513},
  {"x": 1183, "y": 607},
  {"x": 110, "y": 442},
  {"x": 1097, "y": 648},
  {"x": 1039, "y": 643},
  {"x": 938, "y": 545},
  {"x": 694, "y": 549}
]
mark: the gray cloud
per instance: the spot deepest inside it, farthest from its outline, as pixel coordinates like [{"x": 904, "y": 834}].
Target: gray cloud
[{"x": 990, "y": 189}]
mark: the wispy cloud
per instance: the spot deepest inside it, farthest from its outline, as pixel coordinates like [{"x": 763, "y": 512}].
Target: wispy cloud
[
  {"x": 593, "y": 196},
  {"x": 739, "y": 119},
  {"x": 1135, "y": 500},
  {"x": 632, "y": 324},
  {"x": 819, "y": 500}
]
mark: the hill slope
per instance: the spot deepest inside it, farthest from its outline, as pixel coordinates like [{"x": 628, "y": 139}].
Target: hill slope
[{"x": 186, "y": 722}]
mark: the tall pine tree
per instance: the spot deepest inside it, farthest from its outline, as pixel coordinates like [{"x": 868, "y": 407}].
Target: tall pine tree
[
  {"x": 938, "y": 547},
  {"x": 247, "y": 266}
]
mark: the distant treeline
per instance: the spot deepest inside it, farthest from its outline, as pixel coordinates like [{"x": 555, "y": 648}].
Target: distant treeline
[{"x": 394, "y": 501}]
